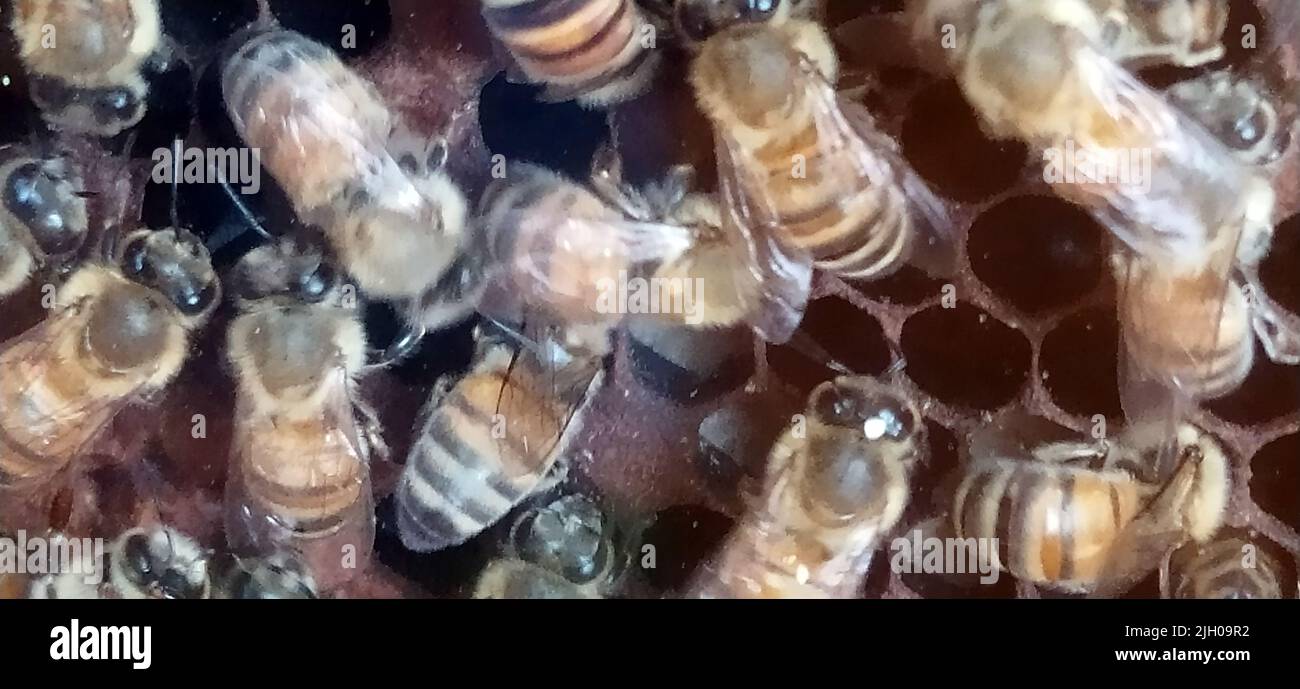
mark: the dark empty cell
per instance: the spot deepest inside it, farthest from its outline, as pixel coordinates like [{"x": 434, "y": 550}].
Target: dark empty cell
[
  {"x": 205, "y": 23},
  {"x": 907, "y": 285},
  {"x": 350, "y": 27},
  {"x": 935, "y": 564},
  {"x": 943, "y": 140},
  {"x": 1270, "y": 391},
  {"x": 450, "y": 572},
  {"x": 734, "y": 441},
  {"x": 441, "y": 352},
  {"x": 686, "y": 364},
  {"x": 964, "y": 356},
  {"x": 1275, "y": 479},
  {"x": 681, "y": 538},
  {"x": 1244, "y": 18},
  {"x": 561, "y": 136},
  {"x": 1278, "y": 270},
  {"x": 16, "y": 125},
  {"x": 1079, "y": 362},
  {"x": 844, "y": 332},
  {"x": 1037, "y": 252},
  {"x": 930, "y": 478},
  {"x": 169, "y": 109}
]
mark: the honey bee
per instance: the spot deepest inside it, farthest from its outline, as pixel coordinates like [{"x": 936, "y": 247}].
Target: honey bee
[
  {"x": 1238, "y": 110},
  {"x": 1190, "y": 216},
  {"x": 119, "y": 332},
  {"x": 1227, "y": 567},
  {"x": 1187, "y": 33},
  {"x": 42, "y": 219},
  {"x": 392, "y": 214},
  {"x": 277, "y": 576},
  {"x": 492, "y": 439},
  {"x": 698, "y": 20},
  {"x": 805, "y": 176},
  {"x": 1073, "y": 518},
  {"x": 304, "y": 440},
  {"x": 568, "y": 548},
  {"x": 157, "y": 562},
  {"x": 834, "y": 487},
  {"x": 85, "y": 59},
  {"x": 598, "y": 52}
]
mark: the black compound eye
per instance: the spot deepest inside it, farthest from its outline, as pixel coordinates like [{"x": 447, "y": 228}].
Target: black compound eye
[
  {"x": 34, "y": 198},
  {"x": 757, "y": 10},
  {"x": 1250, "y": 130},
  {"x": 139, "y": 561},
  {"x": 115, "y": 105},
  {"x": 313, "y": 286},
  {"x": 696, "y": 19},
  {"x": 136, "y": 264},
  {"x": 837, "y": 407},
  {"x": 173, "y": 584},
  {"x": 192, "y": 302}
]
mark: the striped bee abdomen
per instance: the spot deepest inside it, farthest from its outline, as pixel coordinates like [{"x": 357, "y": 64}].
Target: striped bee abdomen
[
  {"x": 1053, "y": 524},
  {"x": 485, "y": 447},
  {"x": 594, "y": 50},
  {"x": 305, "y": 475}
]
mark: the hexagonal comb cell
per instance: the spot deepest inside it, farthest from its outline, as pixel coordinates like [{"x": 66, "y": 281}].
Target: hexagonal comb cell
[
  {"x": 943, "y": 141},
  {"x": 847, "y": 334},
  {"x": 964, "y": 356},
  {"x": 1275, "y": 479},
  {"x": 1077, "y": 363},
  {"x": 682, "y": 537},
  {"x": 1037, "y": 252},
  {"x": 1278, "y": 269}
]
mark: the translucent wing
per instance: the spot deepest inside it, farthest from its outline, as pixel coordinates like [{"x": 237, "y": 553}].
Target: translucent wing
[
  {"x": 1161, "y": 183},
  {"x": 303, "y": 485},
  {"x": 41, "y": 431},
  {"x": 776, "y": 270},
  {"x": 322, "y": 130},
  {"x": 876, "y": 158}
]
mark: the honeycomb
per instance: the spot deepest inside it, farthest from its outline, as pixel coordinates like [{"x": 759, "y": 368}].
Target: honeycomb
[{"x": 1026, "y": 326}]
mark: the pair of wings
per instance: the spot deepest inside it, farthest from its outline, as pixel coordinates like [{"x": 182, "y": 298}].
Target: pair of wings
[
  {"x": 1141, "y": 545},
  {"x": 1180, "y": 214},
  {"x": 767, "y": 264}
]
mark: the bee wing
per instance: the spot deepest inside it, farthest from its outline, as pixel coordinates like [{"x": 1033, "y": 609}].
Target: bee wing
[
  {"x": 556, "y": 256},
  {"x": 878, "y": 158},
  {"x": 1159, "y": 181},
  {"x": 1142, "y": 545},
  {"x": 776, "y": 270},
  {"x": 321, "y": 454},
  {"x": 66, "y": 430},
  {"x": 1017, "y": 434}
]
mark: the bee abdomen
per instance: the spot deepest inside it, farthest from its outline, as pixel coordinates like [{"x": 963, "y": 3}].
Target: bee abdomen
[
  {"x": 455, "y": 483},
  {"x": 593, "y": 46},
  {"x": 309, "y": 511},
  {"x": 1051, "y": 525}
]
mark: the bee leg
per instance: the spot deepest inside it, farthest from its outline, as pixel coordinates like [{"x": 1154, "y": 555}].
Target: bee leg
[
  {"x": 371, "y": 430},
  {"x": 1278, "y": 330},
  {"x": 608, "y": 183},
  {"x": 403, "y": 346}
]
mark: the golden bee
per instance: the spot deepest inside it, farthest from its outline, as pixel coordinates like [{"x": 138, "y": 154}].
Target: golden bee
[
  {"x": 1231, "y": 566},
  {"x": 599, "y": 52},
  {"x": 837, "y": 481},
  {"x": 85, "y": 58},
  {"x": 566, "y": 548},
  {"x": 119, "y": 333},
  {"x": 492, "y": 439},
  {"x": 393, "y": 216},
  {"x": 304, "y": 439},
  {"x": 156, "y": 562},
  {"x": 42, "y": 219},
  {"x": 1190, "y": 216},
  {"x": 1074, "y": 517},
  {"x": 805, "y": 176}
]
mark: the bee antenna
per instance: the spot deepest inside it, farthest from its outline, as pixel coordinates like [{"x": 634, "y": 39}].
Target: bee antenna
[
  {"x": 807, "y": 346},
  {"x": 249, "y": 218},
  {"x": 176, "y": 173}
]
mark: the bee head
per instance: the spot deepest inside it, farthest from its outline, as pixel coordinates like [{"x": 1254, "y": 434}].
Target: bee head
[
  {"x": 295, "y": 268},
  {"x": 174, "y": 263},
  {"x": 860, "y": 445},
  {"x": 567, "y": 537},
  {"x": 163, "y": 564},
  {"x": 38, "y": 195},
  {"x": 697, "y": 20}
]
